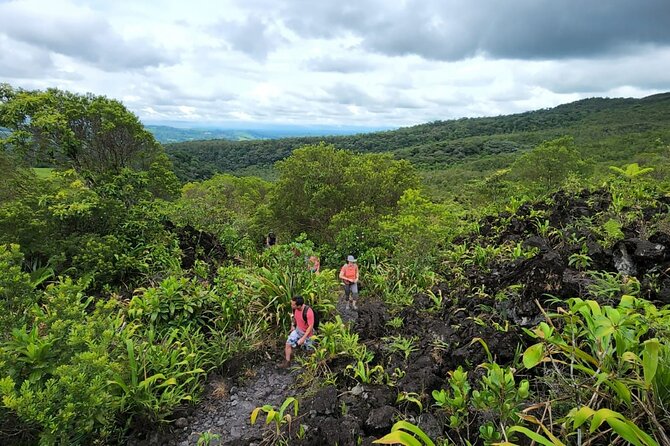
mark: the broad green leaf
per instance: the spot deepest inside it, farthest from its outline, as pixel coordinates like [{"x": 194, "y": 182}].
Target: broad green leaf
[
  {"x": 627, "y": 301},
  {"x": 604, "y": 329},
  {"x": 286, "y": 403},
  {"x": 642, "y": 435},
  {"x": 650, "y": 359},
  {"x": 399, "y": 437},
  {"x": 533, "y": 355},
  {"x": 533, "y": 435},
  {"x": 413, "y": 429},
  {"x": 271, "y": 416},
  {"x": 594, "y": 307},
  {"x": 624, "y": 430},
  {"x": 621, "y": 390},
  {"x": 603, "y": 415},
  {"x": 583, "y": 414}
]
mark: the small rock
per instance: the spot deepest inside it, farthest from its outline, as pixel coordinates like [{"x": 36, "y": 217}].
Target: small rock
[
  {"x": 380, "y": 419},
  {"x": 181, "y": 423}
]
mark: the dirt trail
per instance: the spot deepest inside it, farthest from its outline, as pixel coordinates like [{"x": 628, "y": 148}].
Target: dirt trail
[{"x": 228, "y": 401}]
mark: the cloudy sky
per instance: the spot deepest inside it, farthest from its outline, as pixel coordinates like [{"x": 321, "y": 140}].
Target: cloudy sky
[{"x": 382, "y": 63}]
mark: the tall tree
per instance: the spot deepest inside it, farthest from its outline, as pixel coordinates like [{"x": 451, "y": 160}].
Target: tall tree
[
  {"x": 549, "y": 164},
  {"x": 93, "y": 134},
  {"x": 319, "y": 182}
]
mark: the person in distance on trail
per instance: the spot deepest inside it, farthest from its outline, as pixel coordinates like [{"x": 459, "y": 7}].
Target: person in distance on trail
[
  {"x": 270, "y": 240},
  {"x": 301, "y": 331},
  {"x": 313, "y": 263},
  {"x": 349, "y": 276}
]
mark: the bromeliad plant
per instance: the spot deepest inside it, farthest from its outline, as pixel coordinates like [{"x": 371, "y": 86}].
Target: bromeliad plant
[{"x": 161, "y": 374}]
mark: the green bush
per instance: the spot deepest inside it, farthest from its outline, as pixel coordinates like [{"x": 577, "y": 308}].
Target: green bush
[{"x": 16, "y": 290}]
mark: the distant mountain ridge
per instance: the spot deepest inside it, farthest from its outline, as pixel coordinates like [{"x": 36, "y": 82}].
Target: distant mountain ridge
[
  {"x": 589, "y": 121},
  {"x": 166, "y": 134}
]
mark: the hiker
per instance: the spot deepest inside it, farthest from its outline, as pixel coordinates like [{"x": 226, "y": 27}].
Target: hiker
[
  {"x": 313, "y": 263},
  {"x": 270, "y": 240},
  {"x": 349, "y": 276},
  {"x": 301, "y": 331}
]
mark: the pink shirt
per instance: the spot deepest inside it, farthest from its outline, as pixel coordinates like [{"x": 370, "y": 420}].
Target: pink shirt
[
  {"x": 300, "y": 322},
  {"x": 350, "y": 271}
]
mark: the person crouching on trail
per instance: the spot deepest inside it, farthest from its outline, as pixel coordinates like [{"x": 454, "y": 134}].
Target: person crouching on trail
[
  {"x": 301, "y": 331},
  {"x": 349, "y": 276}
]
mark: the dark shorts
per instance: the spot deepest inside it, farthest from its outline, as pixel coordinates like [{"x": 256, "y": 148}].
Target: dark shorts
[{"x": 351, "y": 289}]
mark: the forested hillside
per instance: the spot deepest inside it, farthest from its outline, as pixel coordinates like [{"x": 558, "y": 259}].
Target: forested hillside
[
  {"x": 596, "y": 124},
  {"x": 530, "y": 306}
]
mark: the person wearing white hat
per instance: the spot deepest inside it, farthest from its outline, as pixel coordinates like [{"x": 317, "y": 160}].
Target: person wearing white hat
[{"x": 349, "y": 276}]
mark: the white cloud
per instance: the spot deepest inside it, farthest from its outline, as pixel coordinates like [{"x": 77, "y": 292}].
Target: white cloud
[{"x": 356, "y": 62}]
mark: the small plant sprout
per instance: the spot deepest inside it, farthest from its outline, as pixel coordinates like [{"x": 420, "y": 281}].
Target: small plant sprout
[
  {"x": 397, "y": 322},
  {"x": 404, "y": 345},
  {"x": 580, "y": 260},
  {"x": 206, "y": 438},
  {"x": 280, "y": 418},
  {"x": 410, "y": 397}
]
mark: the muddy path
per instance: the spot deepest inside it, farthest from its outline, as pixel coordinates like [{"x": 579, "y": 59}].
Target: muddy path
[{"x": 228, "y": 401}]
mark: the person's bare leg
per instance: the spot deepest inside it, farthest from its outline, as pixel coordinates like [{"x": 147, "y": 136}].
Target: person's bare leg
[{"x": 288, "y": 350}]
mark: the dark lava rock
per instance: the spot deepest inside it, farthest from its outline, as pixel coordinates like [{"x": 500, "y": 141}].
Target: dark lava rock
[
  {"x": 380, "y": 420},
  {"x": 323, "y": 403},
  {"x": 430, "y": 425},
  {"x": 342, "y": 431}
]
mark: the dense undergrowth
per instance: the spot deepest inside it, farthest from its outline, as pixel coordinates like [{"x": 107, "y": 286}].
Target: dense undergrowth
[{"x": 530, "y": 308}]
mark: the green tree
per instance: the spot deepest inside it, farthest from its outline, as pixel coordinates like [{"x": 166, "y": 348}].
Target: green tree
[
  {"x": 420, "y": 228},
  {"x": 226, "y": 205},
  {"x": 318, "y": 182},
  {"x": 548, "y": 165},
  {"x": 93, "y": 134}
]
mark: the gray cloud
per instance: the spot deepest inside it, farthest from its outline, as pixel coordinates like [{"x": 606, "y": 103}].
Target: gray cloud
[
  {"x": 340, "y": 64},
  {"x": 88, "y": 38},
  {"x": 349, "y": 94},
  {"x": 369, "y": 62},
  {"x": 19, "y": 60},
  {"x": 254, "y": 36},
  {"x": 586, "y": 76},
  {"x": 518, "y": 29}
]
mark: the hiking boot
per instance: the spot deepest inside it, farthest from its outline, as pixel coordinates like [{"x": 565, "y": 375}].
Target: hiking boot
[{"x": 283, "y": 365}]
